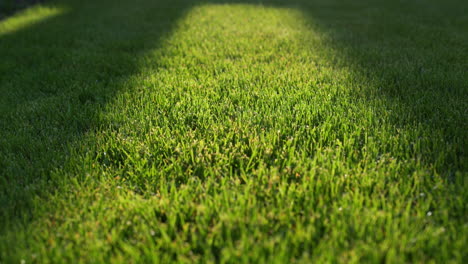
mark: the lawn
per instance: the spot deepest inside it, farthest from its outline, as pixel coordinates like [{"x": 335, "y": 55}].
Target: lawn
[{"x": 248, "y": 131}]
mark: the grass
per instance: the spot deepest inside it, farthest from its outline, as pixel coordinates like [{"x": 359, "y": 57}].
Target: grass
[
  {"x": 234, "y": 132},
  {"x": 7, "y": 7}
]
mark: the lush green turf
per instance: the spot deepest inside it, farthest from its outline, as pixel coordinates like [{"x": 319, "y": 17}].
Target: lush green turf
[{"x": 234, "y": 131}]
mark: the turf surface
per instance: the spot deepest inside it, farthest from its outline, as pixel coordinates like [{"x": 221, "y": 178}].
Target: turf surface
[{"x": 234, "y": 132}]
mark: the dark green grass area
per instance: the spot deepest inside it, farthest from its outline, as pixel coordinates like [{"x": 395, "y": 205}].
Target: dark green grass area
[
  {"x": 8, "y": 7},
  {"x": 234, "y": 132}
]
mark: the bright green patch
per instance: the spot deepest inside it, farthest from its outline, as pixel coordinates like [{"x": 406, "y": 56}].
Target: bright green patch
[{"x": 234, "y": 131}]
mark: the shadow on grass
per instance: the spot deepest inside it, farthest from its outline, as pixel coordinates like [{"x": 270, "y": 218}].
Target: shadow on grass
[
  {"x": 409, "y": 56},
  {"x": 58, "y": 74}
]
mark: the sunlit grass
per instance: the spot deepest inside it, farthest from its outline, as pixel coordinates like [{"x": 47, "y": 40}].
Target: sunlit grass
[
  {"x": 173, "y": 132},
  {"x": 28, "y": 17}
]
